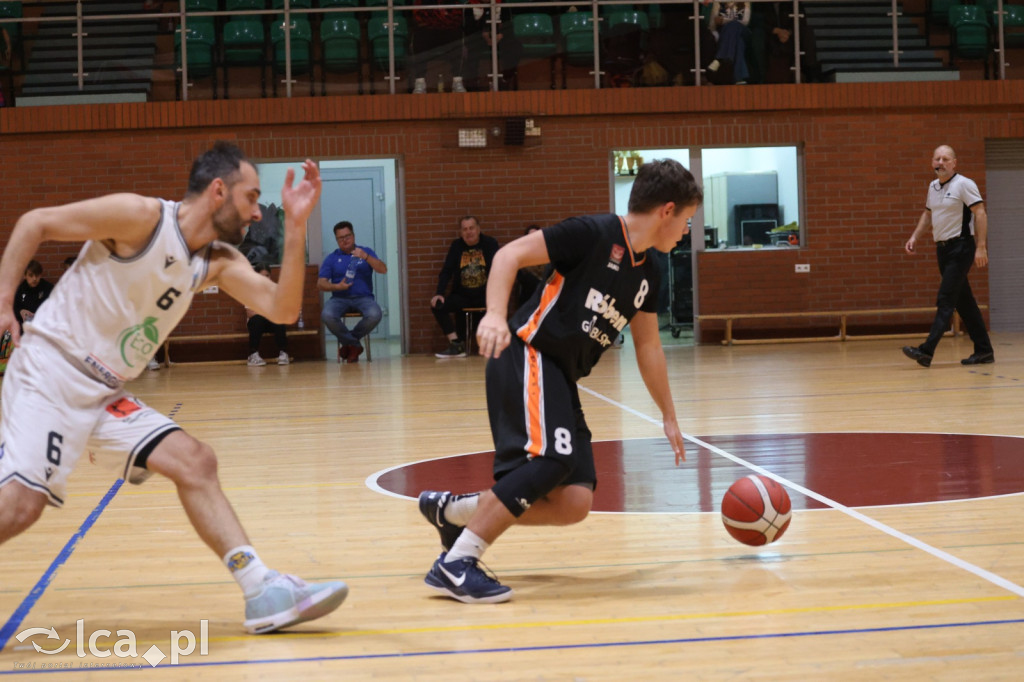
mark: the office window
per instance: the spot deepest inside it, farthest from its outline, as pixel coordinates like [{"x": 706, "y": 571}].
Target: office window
[
  {"x": 751, "y": 198},
  {"x": 625, "y": 164}
]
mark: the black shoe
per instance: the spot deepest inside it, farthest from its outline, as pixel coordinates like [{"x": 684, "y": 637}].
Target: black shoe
[
  {"x": 456, "y": 349},
  {"x": 463, "y": 579},
  {"x": 432, "y": 505},
  {"x": 979, "y": 359},
  {"x": 915, "y": 353}
]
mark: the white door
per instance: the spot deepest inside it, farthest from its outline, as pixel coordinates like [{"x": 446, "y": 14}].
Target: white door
[{"x": 357, "y": 195}]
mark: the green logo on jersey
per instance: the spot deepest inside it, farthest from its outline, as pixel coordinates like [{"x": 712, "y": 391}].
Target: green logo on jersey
[{"x": 137, "y": 343}]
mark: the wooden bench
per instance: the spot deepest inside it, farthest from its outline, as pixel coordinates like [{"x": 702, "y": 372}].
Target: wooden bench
[
  {"x": 234, "y": 336},
  {"x": 843, "y": 315}
]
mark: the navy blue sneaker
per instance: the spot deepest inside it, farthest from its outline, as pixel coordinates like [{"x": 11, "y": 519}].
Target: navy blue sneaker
[
  {"x": 463, "y": 579},
  {"x": 432, "y": 505}
]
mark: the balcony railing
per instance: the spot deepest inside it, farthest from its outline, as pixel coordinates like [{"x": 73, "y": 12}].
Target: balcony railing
[{"x": 225, "y": 42}]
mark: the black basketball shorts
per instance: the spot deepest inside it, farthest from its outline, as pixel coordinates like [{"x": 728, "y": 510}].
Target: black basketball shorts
[{"x": 535, "y": 412}]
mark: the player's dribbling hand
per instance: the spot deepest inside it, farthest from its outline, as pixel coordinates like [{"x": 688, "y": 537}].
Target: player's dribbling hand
[
  {"x": 492, "y": 335},
  {"x": 675, "y": 439}
]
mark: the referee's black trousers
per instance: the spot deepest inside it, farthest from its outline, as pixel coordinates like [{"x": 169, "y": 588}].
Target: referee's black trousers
[{"x": 955, "y": 260}]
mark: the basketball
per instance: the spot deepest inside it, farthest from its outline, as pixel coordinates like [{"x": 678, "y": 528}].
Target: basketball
[{"x": 756, "y": 510}]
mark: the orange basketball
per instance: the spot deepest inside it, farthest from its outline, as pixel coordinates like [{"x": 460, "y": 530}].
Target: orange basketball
[{"x": 756, "y": 510}]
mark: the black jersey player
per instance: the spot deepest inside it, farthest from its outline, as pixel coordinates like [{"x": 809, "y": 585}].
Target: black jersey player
[{"x": 602, "y": 276}]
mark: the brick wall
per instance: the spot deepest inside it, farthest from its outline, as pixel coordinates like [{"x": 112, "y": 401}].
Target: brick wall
[{"x": 866, "y": 150}]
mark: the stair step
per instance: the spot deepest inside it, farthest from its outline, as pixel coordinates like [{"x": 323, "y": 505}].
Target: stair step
[
  {"x": 880, "y": 66},
  {"x": 872, "y": 32},
  {"x": 57, "y": 31},
  {"x": 871, "y": 43},
  {"x": 860, "y": 22},
  {"x": 127, "y": 79},
  {"x": 828, "y": 55},
  {"x": 92, "y": 66},
  {"x": 848, "y": 9},
  {"x": 895, "y": 75},
  {"x": 69, "y": 52},
  {"x": 92, "y": 90},
  {"x": 64, "y": 9}
]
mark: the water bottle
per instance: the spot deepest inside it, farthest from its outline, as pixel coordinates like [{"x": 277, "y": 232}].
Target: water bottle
[
  {"x": 301, "y": 324},
  {"x": 350, "y": 273}
]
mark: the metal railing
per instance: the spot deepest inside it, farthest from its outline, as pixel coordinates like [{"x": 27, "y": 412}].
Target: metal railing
[{"x": 82, "y": 22}]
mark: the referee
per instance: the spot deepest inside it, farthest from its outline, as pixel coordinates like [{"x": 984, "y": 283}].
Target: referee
[{"x": 955, "y": 212}]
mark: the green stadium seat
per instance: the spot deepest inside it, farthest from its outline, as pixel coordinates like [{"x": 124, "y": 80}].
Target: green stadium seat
[
  {"x": 301, "y": 40},
  {"x": 377, "y": 34},
  {"x": 340, "y": 37},
  {"x": 244, "y": 44}
]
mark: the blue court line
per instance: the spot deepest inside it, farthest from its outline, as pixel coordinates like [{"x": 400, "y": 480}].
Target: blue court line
[
  {"x": 14, "y": 622},
  {"x": 546, "y": 647}
]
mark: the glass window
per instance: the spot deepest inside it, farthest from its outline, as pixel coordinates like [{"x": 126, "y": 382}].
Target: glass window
[
  {"x": 751, "y": 197},
  {"x": 264, "y": 241},
  {"x": 625, "y": 164}
]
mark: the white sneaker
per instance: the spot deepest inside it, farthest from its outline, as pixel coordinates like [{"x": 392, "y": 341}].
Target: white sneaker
[
  {"x": 153, "y": 365},
  {"x": 419, "y": 86},
  {"x": 282, "y": 358},
  {"x": 285, "y": 600},
  {"x": 713, "y": 66},
  {"x": 256, "y": 361},
  {"x": 457, "y": 85}
]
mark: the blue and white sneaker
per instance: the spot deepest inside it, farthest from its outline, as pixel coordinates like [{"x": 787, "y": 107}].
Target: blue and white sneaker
[
  {"x": 432, "y": 505},
  {"x": 463, "y": 579},
  {"x": 285, "y": 600}
]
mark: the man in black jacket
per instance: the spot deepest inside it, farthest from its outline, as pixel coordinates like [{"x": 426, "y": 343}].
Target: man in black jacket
[{"x": 466, "y": 267}]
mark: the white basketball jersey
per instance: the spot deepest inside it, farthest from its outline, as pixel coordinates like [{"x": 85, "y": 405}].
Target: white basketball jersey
[{"x": 111, "y": 314}]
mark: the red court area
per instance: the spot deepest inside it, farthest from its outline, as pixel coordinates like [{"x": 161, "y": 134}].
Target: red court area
[{"x": 853, "y": 469}]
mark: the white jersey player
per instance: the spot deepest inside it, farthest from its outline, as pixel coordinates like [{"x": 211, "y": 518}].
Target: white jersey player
[{"x": 64, "y": 392}]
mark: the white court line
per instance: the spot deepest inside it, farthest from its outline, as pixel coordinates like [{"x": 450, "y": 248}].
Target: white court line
[{"x": 853, "y": 513}]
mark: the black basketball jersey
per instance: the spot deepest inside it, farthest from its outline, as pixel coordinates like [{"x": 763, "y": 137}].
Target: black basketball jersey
[{"x": 596, "y": 286}]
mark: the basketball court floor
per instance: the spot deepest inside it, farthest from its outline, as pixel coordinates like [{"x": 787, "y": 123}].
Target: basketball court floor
[{"x": 904, "y": 559}]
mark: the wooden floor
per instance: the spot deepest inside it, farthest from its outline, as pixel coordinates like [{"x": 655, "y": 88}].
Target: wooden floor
[{"x": 316, "y": 456}]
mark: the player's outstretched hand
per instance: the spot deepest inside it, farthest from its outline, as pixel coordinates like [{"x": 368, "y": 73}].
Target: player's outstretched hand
[
  {"x": 675, "y": 439},
  {"x": 492, "y": 335},
  {"x": 299, "y": 200}
]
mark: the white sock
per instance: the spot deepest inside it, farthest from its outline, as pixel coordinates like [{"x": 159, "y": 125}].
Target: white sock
[
  {"x": 461, "y": 510},
  {"x": 469, "y": 544},
  {"x": 246, "y": 568}
]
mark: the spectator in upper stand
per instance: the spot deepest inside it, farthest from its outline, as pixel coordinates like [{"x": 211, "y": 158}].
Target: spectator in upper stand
[
  {"x": 780, "y": 57},
  {"x": 348, "y": 274},
  {"x": 729, "y": 20},
  {"x": 437, "y": 34},
  {"x": 670, "y": 61},
  {"x": 259, "y": 325},
  {"x": 31, "y": 293},
  {"x": 466, "y": 268},
  {"x": 478, "y": 47}
]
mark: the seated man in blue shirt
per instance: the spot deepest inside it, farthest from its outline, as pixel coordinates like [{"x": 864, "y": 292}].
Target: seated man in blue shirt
[{"x": 348, "y": 274}]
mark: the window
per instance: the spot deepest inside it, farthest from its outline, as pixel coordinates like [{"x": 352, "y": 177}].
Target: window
[
  {"x": 264, "y": 241},
  {"x": 751, "y": 197}
]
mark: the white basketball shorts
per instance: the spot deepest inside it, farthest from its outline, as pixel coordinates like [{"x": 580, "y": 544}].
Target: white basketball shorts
[{"x": 52, "y": 412}]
